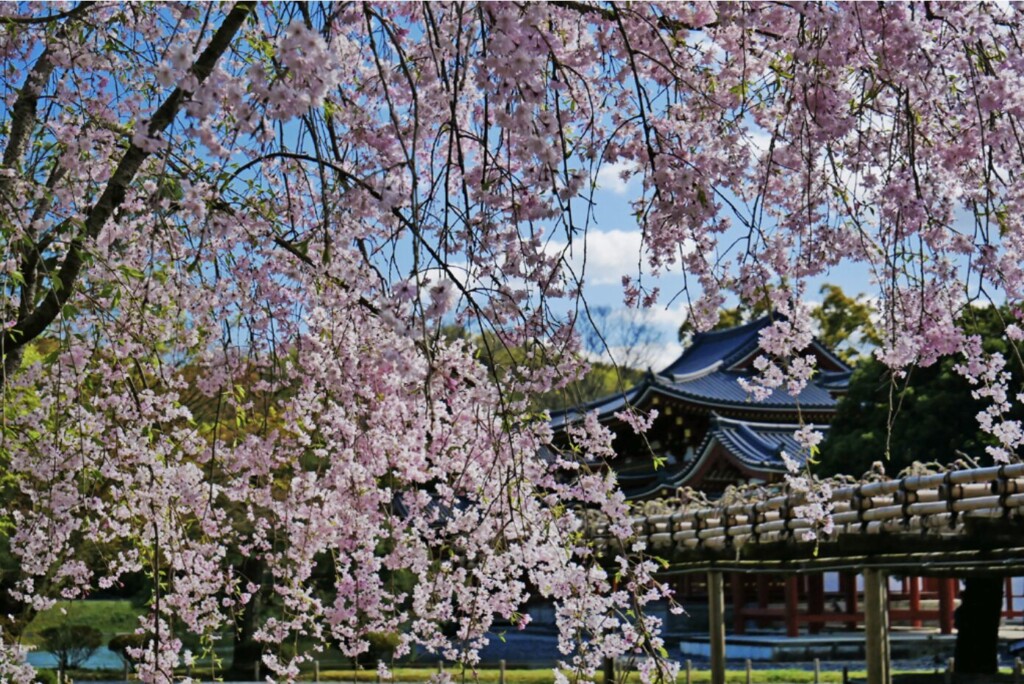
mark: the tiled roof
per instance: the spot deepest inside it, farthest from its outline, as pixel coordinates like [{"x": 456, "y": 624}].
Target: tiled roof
[
  {"x": 726, "y": 346},
  {"x": 605, "y": 406},
  {"x": 757, "y": 445},
  {"x": 705, "y": 374},
  {"x": 722, "y": 387}
]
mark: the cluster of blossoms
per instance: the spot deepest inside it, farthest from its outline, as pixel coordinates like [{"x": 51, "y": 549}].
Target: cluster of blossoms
[
  {"x": 239, "y": 237},
  {"x": 817, "y": 496}
]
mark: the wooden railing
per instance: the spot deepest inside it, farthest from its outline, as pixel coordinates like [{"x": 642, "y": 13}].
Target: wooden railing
[{"x": 918, "y": 514}]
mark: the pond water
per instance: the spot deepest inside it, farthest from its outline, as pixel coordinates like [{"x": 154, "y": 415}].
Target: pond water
[{"x": 102, "y": 659}]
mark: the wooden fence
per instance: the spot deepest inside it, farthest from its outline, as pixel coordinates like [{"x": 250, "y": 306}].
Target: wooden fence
[{"x": 953, "y": 523}]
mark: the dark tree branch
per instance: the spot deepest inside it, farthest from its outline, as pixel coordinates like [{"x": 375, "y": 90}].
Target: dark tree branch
[
  {"x": 74, "y": 11},
  {"x": 31, "y": 326}
]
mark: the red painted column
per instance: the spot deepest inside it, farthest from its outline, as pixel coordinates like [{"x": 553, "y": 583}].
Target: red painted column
[
  {"x": 848, "y": 582},
  {"x": 915, "y": 601},
  {"x": 947, "y": 591},
  {"x": 792, "y": 605},
  {"x": 763, "y": 589},
  {"x": 739, "y": 602}
]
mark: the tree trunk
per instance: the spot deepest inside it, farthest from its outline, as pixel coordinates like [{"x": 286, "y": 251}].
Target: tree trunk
[
  {"x": 247, "y": 651},
  {"x": 977, "y": 626}
]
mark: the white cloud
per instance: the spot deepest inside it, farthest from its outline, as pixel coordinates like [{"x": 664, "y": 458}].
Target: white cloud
[
  {"x": 609, "y": 255},
  {"x": 665, "y": 317},
  {"x": 610, "y": 177},
  {"x": 662, "y": 355},
  {"x": 656, "y": 355},
  {"x": 759, "y": 140}
]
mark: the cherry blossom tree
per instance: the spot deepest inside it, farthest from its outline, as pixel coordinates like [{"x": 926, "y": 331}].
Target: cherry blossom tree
[{"x": 232, "y": 233}]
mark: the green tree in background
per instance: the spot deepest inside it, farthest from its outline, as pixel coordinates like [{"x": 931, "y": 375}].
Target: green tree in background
[
  {"x": 844, "y": 323},
  {"x": 928, "y": 415}
]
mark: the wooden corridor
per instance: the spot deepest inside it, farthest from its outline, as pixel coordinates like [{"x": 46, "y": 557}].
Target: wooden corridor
[{"x": 947, "y": 525}]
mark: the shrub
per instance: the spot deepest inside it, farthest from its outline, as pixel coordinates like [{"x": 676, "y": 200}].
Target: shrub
[
  {"x": 46, "y": 677},
  {"x": 382, "y": 647},
  {"x": 122, "y": 642}
]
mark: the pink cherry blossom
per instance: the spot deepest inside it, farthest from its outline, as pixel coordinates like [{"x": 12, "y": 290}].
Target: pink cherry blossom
[{"x": 233, "y": 232}]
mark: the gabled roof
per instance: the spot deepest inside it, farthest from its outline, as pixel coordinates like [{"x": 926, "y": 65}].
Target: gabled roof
[
  {"x": 725, "y": 349},
  {"x": 605, "y": 406},
  {"x": 717, "y": 349},
  {"x": 756, "y": 447}
]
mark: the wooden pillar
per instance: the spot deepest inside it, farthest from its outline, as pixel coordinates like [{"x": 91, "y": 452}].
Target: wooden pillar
[
  {"x": 947, "y": 590},
  {"x": 739, "y": 602},
  {"x": 816, "y": 600},
  {"x": 609, "y": 671},
  {"x": 716, "y": 626},
  {"x": 915, "y": 601},
  {"x": 792, "y": 605},
  {"x": 876, "y": 626}
]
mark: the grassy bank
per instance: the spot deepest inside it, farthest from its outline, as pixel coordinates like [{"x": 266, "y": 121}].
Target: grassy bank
[
  {"x": 109, "y": 617},
  {"x": 545, "y": 676}
]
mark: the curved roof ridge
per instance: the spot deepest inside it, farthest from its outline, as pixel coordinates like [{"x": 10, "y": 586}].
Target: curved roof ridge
[
  {"x": 603, "y": 405},
  {"x": 758, "y": 323},
  {"x": 712, "y": 346},
  {"x": 699, "y": 373},
  {"x": 754, "y": 424}
]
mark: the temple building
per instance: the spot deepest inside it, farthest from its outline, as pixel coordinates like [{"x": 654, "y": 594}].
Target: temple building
[{"x": 709, "y": 432}]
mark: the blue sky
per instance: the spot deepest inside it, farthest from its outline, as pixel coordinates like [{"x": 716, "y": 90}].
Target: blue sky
[{"x": 613, "y": 246}]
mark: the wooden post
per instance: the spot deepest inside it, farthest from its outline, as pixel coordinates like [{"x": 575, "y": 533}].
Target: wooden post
[
  {"x": 256, "y": 670},
  {"x": 876, "y": 626},
  {"x": 750, "y": 674},
  {"x": 689, "y": 671},
  {"x": 792, "y": 605},
  {"x": 609, "y": 671},
  {"x": 739, "y": 602},
  {"x": 915, "y": 601},
  {"x": 947, "y": 589},
  {"x": 817, "y": 671},
  {"x": 1018, "y": 670},
  {"x": 440, "y": 667},
  {"x": 316, "y": 671},
  {"x": 501, "y": 671},
  {"x": 716, "y": 626},
  {"x": 846, "y": 674}
]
